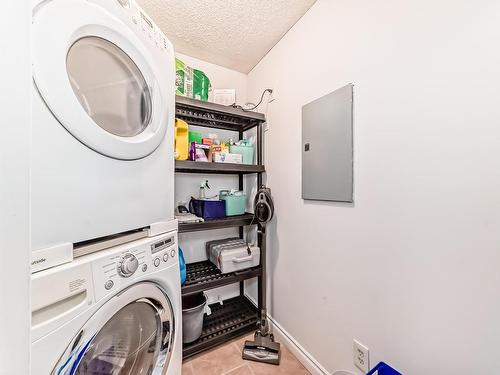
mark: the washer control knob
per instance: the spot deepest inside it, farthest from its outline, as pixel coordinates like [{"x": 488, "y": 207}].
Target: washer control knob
[
  {"x": 165, "y": 257},
  {"x": 156, "y": 262},
  {"x": 128, "y": 265}
]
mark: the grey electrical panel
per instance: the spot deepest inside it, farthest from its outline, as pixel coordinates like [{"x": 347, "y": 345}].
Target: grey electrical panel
[{"x": 327, "y": 147}]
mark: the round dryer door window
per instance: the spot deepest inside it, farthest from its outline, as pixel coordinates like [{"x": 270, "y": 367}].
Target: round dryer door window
[
  {"x": 107, "y": 83},
  {"x": 111, "y": 88}
]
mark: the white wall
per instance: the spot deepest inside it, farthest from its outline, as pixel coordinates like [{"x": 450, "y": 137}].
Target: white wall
[
  {"x": 412, "y": 269},
  {"x": 14, "y": 188}
]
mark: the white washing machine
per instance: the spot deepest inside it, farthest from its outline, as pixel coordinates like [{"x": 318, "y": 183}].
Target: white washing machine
[
  {"x": 103, "y": 122},
  {"x": 114, "y": 312}
]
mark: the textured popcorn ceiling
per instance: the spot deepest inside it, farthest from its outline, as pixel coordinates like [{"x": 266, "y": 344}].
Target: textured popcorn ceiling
[{"x": 232, "y": 33}]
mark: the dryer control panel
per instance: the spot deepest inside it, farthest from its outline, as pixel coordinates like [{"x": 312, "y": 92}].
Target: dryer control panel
[
  {"x": 145, "y": 25},
  {"x": 128, "y": 262}
]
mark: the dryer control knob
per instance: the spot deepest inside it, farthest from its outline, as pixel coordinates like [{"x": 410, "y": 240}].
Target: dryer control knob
[{"x": 128, "y": 265}]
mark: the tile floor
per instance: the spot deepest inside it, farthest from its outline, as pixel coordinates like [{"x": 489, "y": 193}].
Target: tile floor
[{"x": 226, "y": 360}]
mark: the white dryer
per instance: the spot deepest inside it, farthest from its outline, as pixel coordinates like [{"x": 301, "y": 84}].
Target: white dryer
[
  {"x": 115, "y": 312},
  {"x": 103, "y": 119}
]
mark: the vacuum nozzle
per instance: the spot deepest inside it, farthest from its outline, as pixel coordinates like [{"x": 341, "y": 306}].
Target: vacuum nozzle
[{"x": 262, "y": 349}]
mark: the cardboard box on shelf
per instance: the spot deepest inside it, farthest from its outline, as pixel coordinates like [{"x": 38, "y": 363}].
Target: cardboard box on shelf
[
  {"x": 223, "y": 157},
  {"x": 214, "y": 149}
]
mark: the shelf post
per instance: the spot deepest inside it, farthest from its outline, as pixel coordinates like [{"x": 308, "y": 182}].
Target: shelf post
[
  {"x": 241, "y": 229},
  {"x": 260, "y": 152},
  {"x": 261, "y": 237}
]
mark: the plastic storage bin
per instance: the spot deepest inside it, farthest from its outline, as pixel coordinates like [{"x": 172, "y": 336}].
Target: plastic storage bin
[
  {"x": 208, "y": 210},
  {"x": 236, "y": 203},
  {"x": 245, "y": 149},
  {"x": 232, "y": 254},
  {"x": 383, "y": 369}
]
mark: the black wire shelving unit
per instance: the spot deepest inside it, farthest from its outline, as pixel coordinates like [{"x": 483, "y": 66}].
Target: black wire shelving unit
[
  {"x": 205, "y": 275},
  {"x": 235, "y": 317},
  {"x": 238, "y": 315}
]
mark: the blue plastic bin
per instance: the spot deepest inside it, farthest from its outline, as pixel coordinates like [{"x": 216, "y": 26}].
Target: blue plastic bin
[
  {"x": 383, "y": 369},
  {"x": 208, "y": 210}
]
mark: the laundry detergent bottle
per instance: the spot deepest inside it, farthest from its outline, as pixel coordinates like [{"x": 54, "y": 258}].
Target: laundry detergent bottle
[{"x": 181, "y": 139}]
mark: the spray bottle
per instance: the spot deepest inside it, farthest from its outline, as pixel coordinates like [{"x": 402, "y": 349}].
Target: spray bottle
[{"x": 204, "y": 185}]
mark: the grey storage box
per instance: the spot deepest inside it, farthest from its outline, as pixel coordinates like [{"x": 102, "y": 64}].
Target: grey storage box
[{"x": 233, "y": 254}]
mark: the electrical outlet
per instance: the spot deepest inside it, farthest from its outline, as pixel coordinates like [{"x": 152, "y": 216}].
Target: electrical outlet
[{"x": 361, "y": 356}]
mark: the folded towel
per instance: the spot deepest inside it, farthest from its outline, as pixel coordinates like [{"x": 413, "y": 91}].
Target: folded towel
[{"x": 188, "y": 218}]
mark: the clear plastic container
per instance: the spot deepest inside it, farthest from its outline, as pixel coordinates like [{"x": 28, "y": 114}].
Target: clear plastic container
[
  {"x": 245, "y": 149},
  {"x": 236, "y": 203}
]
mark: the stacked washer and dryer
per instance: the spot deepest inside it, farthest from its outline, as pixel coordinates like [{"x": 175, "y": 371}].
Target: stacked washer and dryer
[{"x": 105, "y": 283}]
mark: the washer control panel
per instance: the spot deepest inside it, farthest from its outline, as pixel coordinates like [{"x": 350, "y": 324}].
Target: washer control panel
[
  {"x": 122, "y": 264},
  {"x": 162, "y": 251}
]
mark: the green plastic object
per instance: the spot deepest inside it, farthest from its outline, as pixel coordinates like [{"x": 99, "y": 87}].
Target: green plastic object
[
  {"x": 183, "y": 79},
  {"x": 189, "y": 82},
  {"x": 236, "y": 203},
  {"x": 201, "y": 85},
  {"x": 195, "y": 137},
  {"x": 245, "y": 149}
]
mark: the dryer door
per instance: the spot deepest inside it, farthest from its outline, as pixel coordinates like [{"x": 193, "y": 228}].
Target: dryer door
[
  {"x": 99, "y": 78},
  {"x": 132, "y": 333}
]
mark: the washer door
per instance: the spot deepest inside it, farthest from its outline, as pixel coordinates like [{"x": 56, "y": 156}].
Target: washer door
[
  {"x": 132, "y": 333},
  {"x": 95, "y": 76}
]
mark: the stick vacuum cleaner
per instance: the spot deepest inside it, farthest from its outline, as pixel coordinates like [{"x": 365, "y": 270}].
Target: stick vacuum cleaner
[{"x": 263, "y": 348}]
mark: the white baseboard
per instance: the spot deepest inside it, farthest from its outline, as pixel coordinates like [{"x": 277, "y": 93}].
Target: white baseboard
[{"x": 309, "y": 362}]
